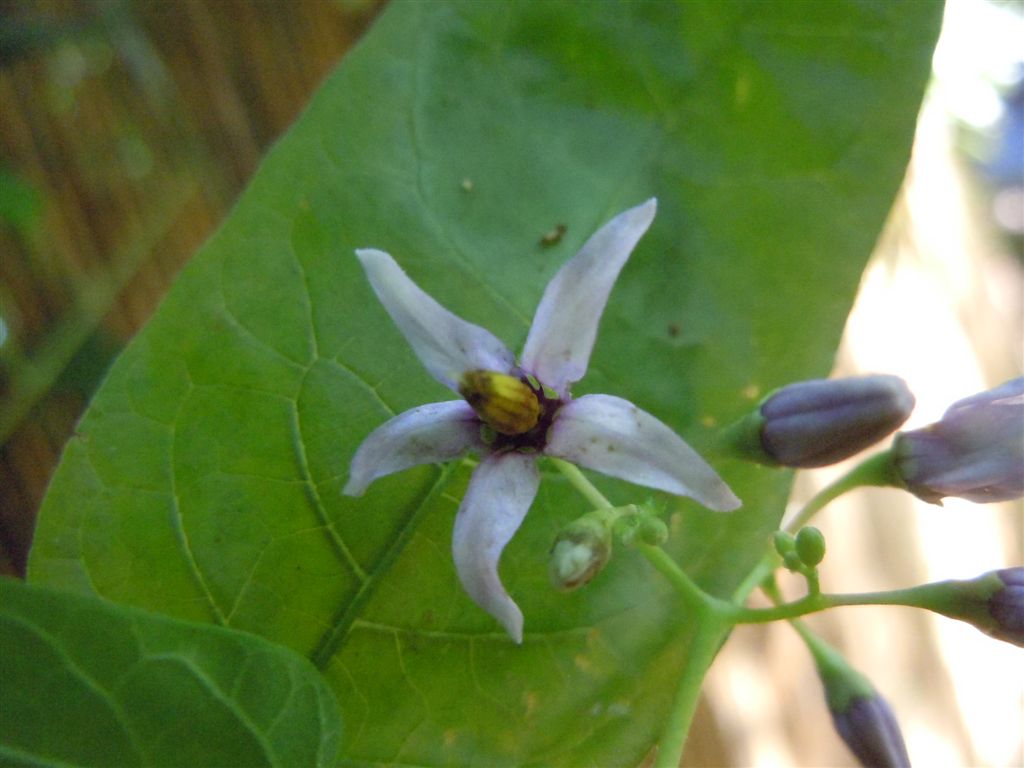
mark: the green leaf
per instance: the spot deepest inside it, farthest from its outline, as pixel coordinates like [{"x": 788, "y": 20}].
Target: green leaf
[
  {"x": 205, "y": 479},
  {"x": 86, "y": 682}
]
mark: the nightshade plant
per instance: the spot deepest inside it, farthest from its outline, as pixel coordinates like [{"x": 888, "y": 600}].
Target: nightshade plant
[{"x": 482, "y": 143}]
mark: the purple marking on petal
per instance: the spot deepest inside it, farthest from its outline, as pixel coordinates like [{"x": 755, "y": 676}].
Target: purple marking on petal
[
  {"x": 424, "y": 435},
  {"x": 613, "y": 436},
  {"x": 565, "y": 325},
  {"x": 499, "y": 495},
  {"x": 447, "y": 345}
]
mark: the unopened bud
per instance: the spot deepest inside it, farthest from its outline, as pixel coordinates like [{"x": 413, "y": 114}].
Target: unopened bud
[
  {"x": 975, "y": 452},
  {"x": 1007, "y": 607},
  {"x": 863, "y": 719},
  {"x": 992, "y": 602},
  {"x": 870, "y": 730},
  {"x": 652, "y": 530},
  {"x": 580, "y": 551},
  {"x": 784, "y": 542},
  {"x": 819, "y": 422},
  {"x": 810, "y": 546}
]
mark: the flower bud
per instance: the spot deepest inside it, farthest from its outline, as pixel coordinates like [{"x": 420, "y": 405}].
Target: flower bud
[
  {"x": 869, "y": 728},
  {"x": 810, "y": 546},
  {"x": 1007, "y": 607},
  {"x": 580, "y": 551},
  {"x": 819, "y": 422},
  {"x": 863, "y": 719},
  {"x": 992, "y": 602},
  {"x": 784, "y": 542},
  {"x": 652, "y": 531},
  {"x": 975, "y": 452}
]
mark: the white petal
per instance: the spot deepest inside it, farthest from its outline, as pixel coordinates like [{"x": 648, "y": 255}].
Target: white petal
[
  {"x": 613, "y": 436},
  {"x": 425, "y": 435},
  {"x": 499, "y": 495},
  {"x": 565, "y": 325},
  {"x": 446, "y": 344}
]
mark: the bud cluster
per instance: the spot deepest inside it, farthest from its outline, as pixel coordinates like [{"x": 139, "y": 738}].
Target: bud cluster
[
  {"x": 802, "y": 553},
  {"x": 583, "y": 547}
]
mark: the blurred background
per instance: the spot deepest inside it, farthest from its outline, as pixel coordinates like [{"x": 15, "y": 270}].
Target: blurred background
[{"x": 127, "y": 129}]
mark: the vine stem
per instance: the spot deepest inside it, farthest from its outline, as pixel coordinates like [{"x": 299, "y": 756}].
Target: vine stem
[
  {"x": 708, "y": 635},
  {"x": 875, "y": 470},
  {"x": 707, "y": 639},
  {"x": 725, "y": 612},
  {"x": 580, "y": 483}
]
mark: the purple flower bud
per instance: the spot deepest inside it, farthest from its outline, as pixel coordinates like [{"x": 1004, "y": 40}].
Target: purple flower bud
[
  {"x": 1007, "y": 607},
  {"x": 976, "y": 451},
  {"x": 869, "y": 728},
  {"x": 820, "y": 422},
  {"x": 992, "y": 602},
  {"x": 862, "y": 717}
]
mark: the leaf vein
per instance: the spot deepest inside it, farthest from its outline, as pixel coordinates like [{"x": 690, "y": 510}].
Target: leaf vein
[
  {"x": 93, "y": 685},
  {"x": 336, "y": 635},
  {"x": 313, "y": 494},
  {"x": 178, "y": 522}
]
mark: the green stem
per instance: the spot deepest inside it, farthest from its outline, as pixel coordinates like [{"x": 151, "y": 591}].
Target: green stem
[
  {"x": 719, "y": 611},
  {"x": 695, "y": 598},
  {"x": 580, "y": 482},
  {"x": 875, "y": 470},
  {"x": 707, "y": 638},
  {"x": 708, "y": 633},
  {"x": 922, "y": 596}
]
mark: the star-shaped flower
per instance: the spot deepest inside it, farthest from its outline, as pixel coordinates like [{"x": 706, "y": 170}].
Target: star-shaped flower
[{"x": 511, "y": 414}]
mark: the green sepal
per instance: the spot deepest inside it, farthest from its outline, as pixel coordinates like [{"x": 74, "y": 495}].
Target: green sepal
[
  {"x": 742, "y": 438},
  {"x": 843, "y": 684},
  {"x": 965, "y": 600}
]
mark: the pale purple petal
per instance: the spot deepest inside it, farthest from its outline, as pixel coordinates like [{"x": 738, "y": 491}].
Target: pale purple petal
[
  {"x": 499, "y": 495},
  {"x": 565, "y": 325},
  {"x": 424, "y": 435},
  {"x": 613, "y": 436},
  {"x": 446, "y": 344}
]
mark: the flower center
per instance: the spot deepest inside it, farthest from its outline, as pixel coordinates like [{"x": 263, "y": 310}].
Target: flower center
[{"x": 505, "y": 403}]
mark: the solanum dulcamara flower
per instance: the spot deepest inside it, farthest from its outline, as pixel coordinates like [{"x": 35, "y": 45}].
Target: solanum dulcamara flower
[{"x": 510, "y": 414}]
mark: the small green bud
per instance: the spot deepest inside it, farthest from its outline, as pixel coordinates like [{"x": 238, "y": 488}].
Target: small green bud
[
  {"x": 793, "y": 562},
  {"x": 810, "y": 546},
  {"x": 652, "y": 530},
  {"x": 626, "y": 528},
  {"x": 579, "y": 552},
  {"x": 783, "y": 541}
]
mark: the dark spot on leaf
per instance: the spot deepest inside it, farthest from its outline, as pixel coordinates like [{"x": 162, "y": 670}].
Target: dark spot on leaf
[{"x": 553, "y": 236}]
